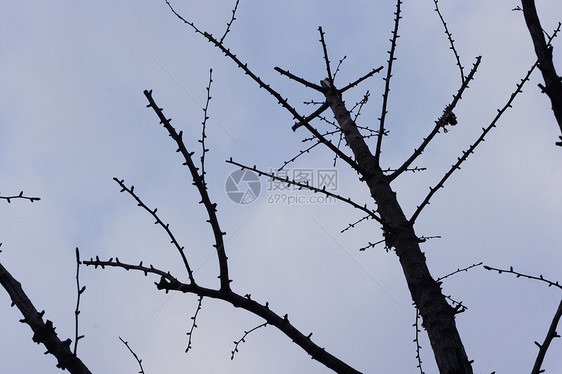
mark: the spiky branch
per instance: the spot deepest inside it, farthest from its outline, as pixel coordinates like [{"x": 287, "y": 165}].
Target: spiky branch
[
  {"x": 550, "y": 335},
  {"x": 43, "y": 331},
  {"x": 386, "y": 92},
  {"x": 470, "y": 150},
  {"x": 170, "y": 283},
  {"x": 447, "y": 118},
  {"x": 20, "y": 196},
  {"x": 451, "y": 40},
  {"x": 543, "y": 50},
  {"x": 79, "y": 292},
  {"x": 199, "y": 182}
]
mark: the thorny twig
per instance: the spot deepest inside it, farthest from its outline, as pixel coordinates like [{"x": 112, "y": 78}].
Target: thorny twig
[
  {"x": 194, "y": 324},
  {"x": 517, "y": 274},
  {"x": 20, "y": 196},
  {"x": 246, "y": 333},
  {"x": 302, "y": 152},
  {"x": 458, "y": 271},
  {"x": 543, "y": 50},
  {"x": 309, "y": 187},
  {"x": 80, "y": 291},
  {"x": 451, "y": 41},
  {"x": 231, "y": 21},
  {"x": 465, "y": 154},
  {"x": 43, "y": 332},
  {"x": 170, "y": 283},
  {"x": 326, "y": 59},
  {"x": 282, "y": 101},
  {"x": 204, "y": 123},
  {"x": 198, "y": 181},
  {"x": 551, "y": 334},
  {"x": 139, "y": 361},
  {"x": 444, "y": 120},
  {"x": 417, "y": 341},
  {"x": 352, "y": 225},
  {"x": 339, "y": 65},
  {"x": 387, "y": 81},
  {"x": 158, "y": 221}
]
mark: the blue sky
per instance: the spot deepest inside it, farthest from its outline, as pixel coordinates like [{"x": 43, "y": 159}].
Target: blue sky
[{"x": 73, "y": 116}]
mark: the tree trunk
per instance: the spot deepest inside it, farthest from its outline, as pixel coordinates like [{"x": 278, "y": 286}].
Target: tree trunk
[{"x": 438, "y": 316}]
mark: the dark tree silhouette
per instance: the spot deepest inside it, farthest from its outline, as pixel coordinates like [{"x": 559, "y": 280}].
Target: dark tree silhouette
[
  {"x": 351, "y": 144},
  {"x": 552, "y": 81}
]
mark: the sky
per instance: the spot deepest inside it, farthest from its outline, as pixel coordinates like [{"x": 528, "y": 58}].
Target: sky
[{"x": 73, "y": 116}]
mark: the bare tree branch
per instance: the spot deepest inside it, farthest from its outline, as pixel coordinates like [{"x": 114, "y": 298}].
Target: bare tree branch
[
  {"x": 311, "y": 188},
  {"x": 43, "y": 332},
  {"x": 204, "y": 124},
  {"x": 139, "y": 361},
  {"x": 465, "y": 154},
  {"x": 230, "y": 22},
  {"x": 170, "y": 283},
  {"x": 517, "y": 274},
  {"x": 386, "y": 92},
  {"x": 165, "y": 226},
  {"x": 438, "y": 315},
  {"x": 282, "y": 101},
  {"x": 20, "y": 196},
  {"x": 246, "y": 333},
  {"x": 198, "y": 181},
  {"x": 446, "y": 119},
  {"x": 326, "y": 59},
  {"x": 451, "y": 41},
  {"x": 80, "y": 291},
  {"x": 458, "y": 271},
  {"x": 551, "y": 334},
  {"x": 194, "y": 324},
  {"x": 543, "y": 50}
]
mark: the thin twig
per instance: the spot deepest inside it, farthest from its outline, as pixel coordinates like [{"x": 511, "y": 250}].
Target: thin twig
[
  {"x": 387, "y": 81},
  {"x": 361, "y": 79},
  {"x": 80, "y": 291},
  {"x": 465, "y": 154},
  {"x": 282, "y": 101},
  {"x": 444, "y": 120},
  {"x": 302, "y": 81},
  {"x": 231, "y": 21},
  {"x": 139, "y": 361},
  {"x": 170, "y": 283},
  {"x": 339, "y": 65},
  {"x": 451, "y": 41},
  {"x": 458, "y": 271},
  {"x": 517, "y": 274},
  {"x": 352, "y": 225},
  {"x": 198, "y": 181},
  {"x": 246, "y": 333},
  {"x": 158, "y": 221},
  {"x": 417, "y": 341},
  {"x": 326, "y": 59},
  {"x": 551, "y": 334},
  {"x": 309, "y": 187},
  {"x": 302, "y": 152},
  {"x": 204, "y": 124},
  {"x": 20, "y": 196},
  {"x": 371, "y": 245}
]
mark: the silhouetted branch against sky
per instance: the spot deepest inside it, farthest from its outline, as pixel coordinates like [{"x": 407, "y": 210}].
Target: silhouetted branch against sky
[{"x": 73, "y": 117}]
